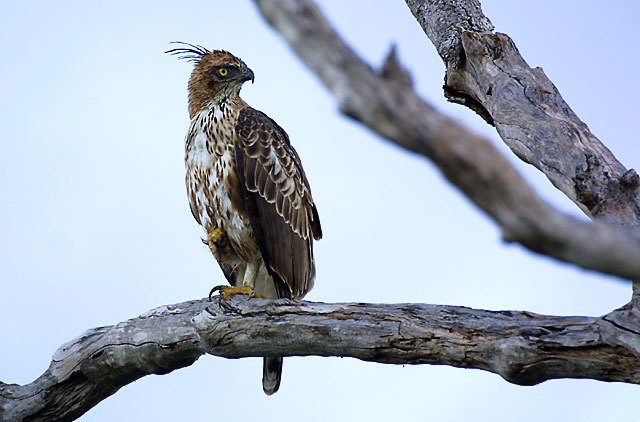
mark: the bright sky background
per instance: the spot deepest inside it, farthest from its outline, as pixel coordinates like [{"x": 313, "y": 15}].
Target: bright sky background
[{"x": 96, "y": 228}]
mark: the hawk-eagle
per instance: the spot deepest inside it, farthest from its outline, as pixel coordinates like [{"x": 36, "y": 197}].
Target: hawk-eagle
[{"x": 247, "y": 188}]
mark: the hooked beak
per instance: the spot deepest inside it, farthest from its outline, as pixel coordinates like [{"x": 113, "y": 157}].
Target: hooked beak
[{"x": 248, "y": 75}]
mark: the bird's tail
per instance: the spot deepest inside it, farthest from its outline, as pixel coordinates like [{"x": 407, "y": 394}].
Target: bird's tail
[{"x": 271, "y": 373}]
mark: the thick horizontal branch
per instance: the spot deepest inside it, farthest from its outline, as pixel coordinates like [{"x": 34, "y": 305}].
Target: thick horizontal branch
[
  {"x": 385, "y": 102},
  {"x": 96, "y": 364},
  {"x": 522, "y": 347},
  {"x": 486, "y": 72}
]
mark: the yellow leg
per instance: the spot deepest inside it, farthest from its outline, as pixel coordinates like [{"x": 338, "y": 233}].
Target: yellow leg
[
  {"x": 215, "y": 236},
  {"x": 247, "y": 284},
  {"x": 232, "y": 290}
]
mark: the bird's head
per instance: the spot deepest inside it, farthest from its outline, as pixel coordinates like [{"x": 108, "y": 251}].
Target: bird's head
[{"x": 217, "y": 75}]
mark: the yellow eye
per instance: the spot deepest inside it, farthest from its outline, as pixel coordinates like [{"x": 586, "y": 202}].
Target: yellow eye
[{"x": 223, "y": 71}]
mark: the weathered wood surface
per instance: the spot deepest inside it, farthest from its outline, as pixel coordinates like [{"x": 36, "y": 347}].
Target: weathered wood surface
[
  {"x": 385, "y": 102},
  {"x": 522, "y": 347},
  {"x": 486, "y": 72}
]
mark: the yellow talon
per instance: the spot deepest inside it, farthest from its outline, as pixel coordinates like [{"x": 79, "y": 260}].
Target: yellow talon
[
  {"x": 213, "y": 237},
  {"x": 232, "y": 290}
]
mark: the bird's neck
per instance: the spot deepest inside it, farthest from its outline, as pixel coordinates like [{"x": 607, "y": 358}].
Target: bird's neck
[{"x": 219, "y": 101}]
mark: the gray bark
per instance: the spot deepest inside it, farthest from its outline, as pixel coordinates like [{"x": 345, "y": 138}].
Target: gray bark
[
  {"x": 385, "y": 102},
  {"x": 522, "y": 347},
  {"x": 486, "y": 72}
]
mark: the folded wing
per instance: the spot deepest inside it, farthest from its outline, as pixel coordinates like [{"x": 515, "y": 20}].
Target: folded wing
[{"x": 283, "y": 216}]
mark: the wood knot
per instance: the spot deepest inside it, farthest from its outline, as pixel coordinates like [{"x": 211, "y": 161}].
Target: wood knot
[
  {"x": 630, "y": 180},
  {"x": 583, "y": 183}
]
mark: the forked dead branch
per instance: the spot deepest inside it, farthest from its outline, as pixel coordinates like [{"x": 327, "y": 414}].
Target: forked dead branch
[{"x": 522, "y": 347}]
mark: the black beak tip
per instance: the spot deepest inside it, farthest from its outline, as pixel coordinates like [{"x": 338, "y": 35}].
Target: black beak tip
[{"x": 248, "y": 75}]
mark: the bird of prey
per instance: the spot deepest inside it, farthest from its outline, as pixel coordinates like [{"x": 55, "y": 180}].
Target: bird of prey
[{"x": 247, "y": 188}]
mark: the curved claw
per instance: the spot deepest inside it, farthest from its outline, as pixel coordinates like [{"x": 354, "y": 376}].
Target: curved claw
[{"x": 215, "y": 289}]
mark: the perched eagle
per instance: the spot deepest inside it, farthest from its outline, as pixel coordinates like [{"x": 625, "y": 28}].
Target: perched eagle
[{"x": 247, "y": 189}]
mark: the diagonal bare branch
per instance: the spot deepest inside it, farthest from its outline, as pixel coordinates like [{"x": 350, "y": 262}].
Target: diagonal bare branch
[
  {"x": 486, "y": 72},
  {"x": 385, "y": 102},
  {"x": 522, "y": 347}
]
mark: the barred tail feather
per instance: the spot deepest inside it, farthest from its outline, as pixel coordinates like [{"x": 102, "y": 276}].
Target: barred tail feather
[{"x": 271, "y": 373}]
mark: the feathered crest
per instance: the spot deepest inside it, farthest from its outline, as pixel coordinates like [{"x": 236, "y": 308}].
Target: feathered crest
[{"x": 191, "y": 53}]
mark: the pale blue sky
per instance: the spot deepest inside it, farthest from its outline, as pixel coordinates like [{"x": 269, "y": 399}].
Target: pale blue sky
[{"x": 96, "y": 227}]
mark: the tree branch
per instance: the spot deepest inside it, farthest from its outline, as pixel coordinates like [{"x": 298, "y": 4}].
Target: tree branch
[
  {"x": 486, "y": 72},
  {"x": 522, "y": 347},
  {"x": 94, "y": 365},
  {"x": 386, "y": 103}
]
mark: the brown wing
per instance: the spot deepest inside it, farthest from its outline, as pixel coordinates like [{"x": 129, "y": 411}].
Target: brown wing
[{"x": 278, "y": 198}]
